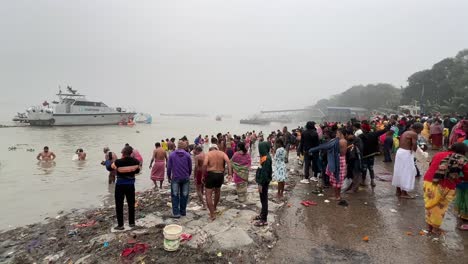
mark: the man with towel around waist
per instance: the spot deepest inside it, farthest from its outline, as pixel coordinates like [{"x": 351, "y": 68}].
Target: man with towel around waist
[
  {"x": 214, "y": 166},
  {"x": 404, "y": 170}
]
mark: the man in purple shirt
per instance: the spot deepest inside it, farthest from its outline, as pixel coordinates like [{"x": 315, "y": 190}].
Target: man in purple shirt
[{"x": 179, "y": 169}]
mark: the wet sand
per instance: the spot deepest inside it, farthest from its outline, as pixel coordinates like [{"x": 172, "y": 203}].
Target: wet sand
[{"x": 329, "y": 233}]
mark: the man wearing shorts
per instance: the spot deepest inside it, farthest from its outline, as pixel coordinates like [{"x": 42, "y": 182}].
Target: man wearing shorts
[{"x": 214, "y": 166}]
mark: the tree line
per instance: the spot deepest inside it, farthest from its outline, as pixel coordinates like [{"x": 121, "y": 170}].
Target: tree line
[{"x": 443, "y": 88}]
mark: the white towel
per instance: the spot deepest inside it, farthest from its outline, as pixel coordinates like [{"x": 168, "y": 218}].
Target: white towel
[{"x": 404, "y": 170}]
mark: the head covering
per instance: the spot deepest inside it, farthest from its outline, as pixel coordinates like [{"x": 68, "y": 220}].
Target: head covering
[
  {"x": 310, "y": 125},
  {"x": 366, "y": 127},
  {"x": 264, "y": 151}
]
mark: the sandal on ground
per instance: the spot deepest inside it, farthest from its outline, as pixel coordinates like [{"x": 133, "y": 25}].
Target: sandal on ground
[
  {"x": 260, "y": 223},
  {"x": 258, "y": 218},
  {"x": 463, "y": 227}
]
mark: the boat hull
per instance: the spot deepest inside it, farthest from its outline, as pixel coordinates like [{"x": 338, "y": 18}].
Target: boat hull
[{"x": 79, "y": 119}]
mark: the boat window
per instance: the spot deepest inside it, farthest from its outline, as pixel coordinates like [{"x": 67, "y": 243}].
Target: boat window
[{"x": 87, "y": 103}]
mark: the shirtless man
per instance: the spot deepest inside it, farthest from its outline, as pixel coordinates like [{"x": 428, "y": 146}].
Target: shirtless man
[
  {"x": 81, "y": 154},
  {"x": 46, "y": 155},
  {"x": 157, "y": 172},
  {"x": 213, "y": 167},
  {"x": 199, "y": 159},
  {"x": 404, "y": 169}
]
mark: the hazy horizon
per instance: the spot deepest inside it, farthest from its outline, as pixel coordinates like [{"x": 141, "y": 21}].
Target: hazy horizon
[{"x": 207, "y": 56}]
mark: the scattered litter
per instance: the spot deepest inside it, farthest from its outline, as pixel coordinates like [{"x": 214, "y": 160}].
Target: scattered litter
[
  {"x": 393, "y": 210},
  {"x": 219, "y": 254},
  {"x": 308, "y": 203},
  {"x": 185, "y": 237},
  {"x": 169, "y": 204},
  {"x": 365, "y": 203},
  {"x": 270, "y": 246},
  {"x": 327, "y": 201},
  {"x": 137, "y": 249},
  {"x": 72, "y": 233},
  {"x": 435, "y": 239},
  {"x": 289, "y": 205},
  {"x": 409, "y": 233},
  {"x": 365, "y": 239},
  {"x": 106, "y": 244},
  {"x": 87, "y": 224},
  {"x": 10, "y": 253},
  {"x": 57, "y": 217},
  {"x": 422, "y": 232},
  {"x": 320, "y": 194},
  {"x": 343, "y": 203}
]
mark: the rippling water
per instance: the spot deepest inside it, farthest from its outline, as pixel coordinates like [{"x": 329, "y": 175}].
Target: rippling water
[{"x": 34, "y": 190}]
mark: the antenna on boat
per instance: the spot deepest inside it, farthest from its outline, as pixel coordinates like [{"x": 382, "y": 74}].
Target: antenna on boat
[{"x": 69, "y": 88}]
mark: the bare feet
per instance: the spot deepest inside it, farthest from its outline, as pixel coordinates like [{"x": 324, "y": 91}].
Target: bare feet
[{"x": 406, "y": 196}]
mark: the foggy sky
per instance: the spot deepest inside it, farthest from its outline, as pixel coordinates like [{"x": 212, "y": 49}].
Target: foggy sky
[{"x": 233, "y": 56}]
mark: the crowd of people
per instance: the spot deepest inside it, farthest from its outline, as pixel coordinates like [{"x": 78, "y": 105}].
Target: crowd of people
[{"x": 335, "y": 155}]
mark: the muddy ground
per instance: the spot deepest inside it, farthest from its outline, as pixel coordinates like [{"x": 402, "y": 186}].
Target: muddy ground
[
  {"x": 230, "y": 239},
  {"x": 329, "y": 233}
]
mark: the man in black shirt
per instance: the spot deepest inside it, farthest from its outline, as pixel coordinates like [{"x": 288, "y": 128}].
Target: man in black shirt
[
  {"x": 309, "y": 139},
  {"x": 126, "y": 168}
]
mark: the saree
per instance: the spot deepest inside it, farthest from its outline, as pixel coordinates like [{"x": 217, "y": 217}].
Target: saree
[{"x": 436, "y": 201}]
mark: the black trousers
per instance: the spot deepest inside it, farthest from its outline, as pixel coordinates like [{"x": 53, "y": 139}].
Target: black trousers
[
  {"x": 123, "y": 191},
  {"x": 310, "y": 160},
  {"x": 264, "y": 201}
]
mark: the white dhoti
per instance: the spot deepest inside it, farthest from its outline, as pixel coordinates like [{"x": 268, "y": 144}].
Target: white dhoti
[{"x": 404, "y": 171}]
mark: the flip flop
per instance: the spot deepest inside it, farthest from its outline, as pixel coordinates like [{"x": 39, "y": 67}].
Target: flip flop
[
  {"x": 463, "y": 227},
  {"x": 260, "y": 223},
  {"x": 308, "y": 203},
  {"x": 257, "y": 218}
]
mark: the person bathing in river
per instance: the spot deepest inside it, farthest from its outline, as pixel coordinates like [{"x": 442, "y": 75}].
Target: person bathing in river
[
  {"x": 336, "y": 157},
  {"x": 126, "y": 168},
  {"x": 241, "y": 162},
  {"x": 158, "y": 170},
  {"x": 109, "y": 159},
  {"x": 404, "y": 170},
  {"x": 199, "y": 159},
  {"x": 81, "y": 154},
  {"x": 214, "y": 165},
  {"x": 280, "y": 172},
  {"x": 136, "y": 154},
  {"x": 46, "y": 155}
]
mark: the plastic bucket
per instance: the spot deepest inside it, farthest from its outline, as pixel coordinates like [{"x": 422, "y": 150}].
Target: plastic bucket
[{"x": 172, "y": 237}]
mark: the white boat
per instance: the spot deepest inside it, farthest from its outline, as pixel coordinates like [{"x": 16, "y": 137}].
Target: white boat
[{"x": 73, "y": 109}]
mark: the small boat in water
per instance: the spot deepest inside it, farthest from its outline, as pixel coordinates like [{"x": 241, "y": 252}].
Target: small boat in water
[
  {"x": 143, "y": 118},
  {"x": 21, "y": 118},
  {"x": 73, "y": 109}
]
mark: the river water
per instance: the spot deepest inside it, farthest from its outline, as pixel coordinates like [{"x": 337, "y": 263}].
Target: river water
[{"x": 33, "y": 190}]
